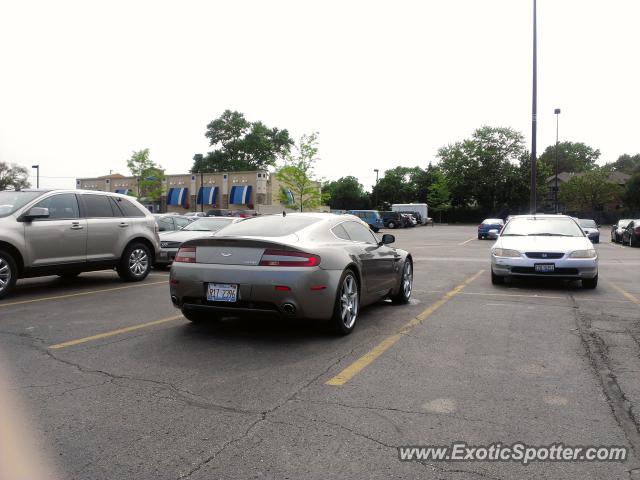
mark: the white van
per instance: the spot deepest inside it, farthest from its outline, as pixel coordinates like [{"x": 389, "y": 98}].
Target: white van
[{"x": 421, "y": 208}]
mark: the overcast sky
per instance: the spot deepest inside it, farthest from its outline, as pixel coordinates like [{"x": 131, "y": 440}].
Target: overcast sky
[{"x": 83, "y": 84}]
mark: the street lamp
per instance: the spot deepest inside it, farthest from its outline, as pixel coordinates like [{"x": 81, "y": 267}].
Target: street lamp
[
  {"x": 534, "y": 112},
  {"x": 376, "y": 170},
  {"x": 557, "y": 113},
  {"x": 37, "y": 167}
]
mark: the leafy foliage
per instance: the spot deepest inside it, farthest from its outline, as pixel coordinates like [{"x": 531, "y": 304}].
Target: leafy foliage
[
  {"x": 241, "y": 145},
  {"x": 148, "y": 174},
  {"x": 627, "y": 164},
  {"x": 297, "y": 175},
  {"x": 400, "y": 185},
  {"x": 13, "y": 176},
  {"x": 345, "y": 193},
  {"x": 631, "y": 194},
  {"x": 439, "y": 198},
  {"x": 572, "y": 157},
  {"x": 589, "y": 191},
  {"x": 487, "y": 170}
]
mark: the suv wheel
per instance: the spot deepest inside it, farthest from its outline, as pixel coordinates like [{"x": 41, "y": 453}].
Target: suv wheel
[
  {"x": 391, "y": 225},
  {"x": 135, "y": 263},
  {"x": 8, "y": 272}
]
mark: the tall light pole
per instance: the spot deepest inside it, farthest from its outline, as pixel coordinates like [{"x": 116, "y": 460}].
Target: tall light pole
[
  {"x": 375, "y": 198},
  {"x": 37, "y": 167},
  {"x": 376, "y": 170},
  {"x": 534, "y": 113},
  {"x": 557, "y": 112}
]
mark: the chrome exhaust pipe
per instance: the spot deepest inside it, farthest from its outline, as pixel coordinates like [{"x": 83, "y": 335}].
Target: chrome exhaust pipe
[{"x": 289, "y": 308}]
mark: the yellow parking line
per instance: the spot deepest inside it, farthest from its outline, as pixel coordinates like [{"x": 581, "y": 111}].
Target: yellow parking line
[
  {"x": 628, "y": 295},
  {"x": 79, "y": 294},
  {"x": 467, "y": 241},
  {"x": 119, "y": 331},
  {"x": 356, "y": 367}
]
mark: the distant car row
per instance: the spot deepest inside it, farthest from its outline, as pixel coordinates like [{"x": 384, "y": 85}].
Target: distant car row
[{"x": 626, "y": 232}]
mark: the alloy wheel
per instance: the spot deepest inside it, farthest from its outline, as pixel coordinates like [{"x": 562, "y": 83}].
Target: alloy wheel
[
  {"x": 407, "y": 279},
  {"x": 5, "y": 274},
  {"x": 138, "y": 262},
  {"x": 349, "y": 301}
]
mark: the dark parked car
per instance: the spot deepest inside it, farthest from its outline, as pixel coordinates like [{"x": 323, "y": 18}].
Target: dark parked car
[
  {"x": 392, "y": 219},
  {"x": 618, "y": 228},
  {"x": 416, "y": 215},
  {"x": 590, "y": 228},
  {"x": 631, "y": 234},
  {"x": 219, "y": 212},
  {"x": 489, "y": 224},
  {"x": 171, "y": 222}
]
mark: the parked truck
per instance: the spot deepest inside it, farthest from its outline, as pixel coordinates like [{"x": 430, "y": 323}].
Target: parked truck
[{"x": 421, "y": 208}]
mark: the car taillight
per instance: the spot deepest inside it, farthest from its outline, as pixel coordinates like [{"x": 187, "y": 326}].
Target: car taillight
[
  {"x": 284, "y": 258},
  {"x": 186, "y": 255}
]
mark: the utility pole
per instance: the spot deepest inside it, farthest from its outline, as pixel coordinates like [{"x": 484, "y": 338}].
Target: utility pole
[
  {"x": 557, "y": 112},
  {"x": 37, "y": 167},
  {"x": 534, "y": 113}
]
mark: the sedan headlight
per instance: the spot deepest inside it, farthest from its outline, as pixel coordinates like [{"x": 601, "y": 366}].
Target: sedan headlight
[
  {"x": 591, "y": 253},
  {"x": 505, "y": 252}
]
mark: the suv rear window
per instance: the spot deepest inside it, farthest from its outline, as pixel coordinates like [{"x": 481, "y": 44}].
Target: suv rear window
[
  {"x": 271, "y": 226},
  {"x": 128, "y": 208}
]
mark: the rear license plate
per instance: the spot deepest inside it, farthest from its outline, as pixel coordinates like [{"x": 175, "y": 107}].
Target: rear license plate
[
  {"x": 222, "y": 292},
  {"x": 544, "y": 267}
]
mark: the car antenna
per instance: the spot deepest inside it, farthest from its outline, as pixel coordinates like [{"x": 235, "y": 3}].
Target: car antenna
[{"x": 284, "y": 213}]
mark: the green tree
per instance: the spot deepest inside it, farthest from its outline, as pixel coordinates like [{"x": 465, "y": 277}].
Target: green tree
[
  {"x": 631, "y": 196},
  {"x": 572, "y": 157},
  {"x": 627, "y": 163},
  {"x": 149, "y": 175},
  {"x": 398, "y": 185},
  {"x": 589, "y": 191},
  {"x": 439, "y": 198},
  {"x": 481, "y": 170},
  {"x": 297, "y": 175},
  {"x": 346, "y": 193},
  {"x": 13, "y": 176},
  {"x": 241, "y": 145}
]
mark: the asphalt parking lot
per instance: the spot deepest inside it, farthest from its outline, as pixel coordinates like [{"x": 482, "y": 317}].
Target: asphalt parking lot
[{"x": 120, "y": 385}]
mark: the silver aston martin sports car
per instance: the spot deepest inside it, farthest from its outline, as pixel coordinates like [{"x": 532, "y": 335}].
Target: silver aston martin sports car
[{"x": 302, "y": 265}]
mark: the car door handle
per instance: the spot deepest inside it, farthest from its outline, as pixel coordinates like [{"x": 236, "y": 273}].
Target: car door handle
[
  {"x": 123, "y": 224},
  {"x": 76, "y": 226}
]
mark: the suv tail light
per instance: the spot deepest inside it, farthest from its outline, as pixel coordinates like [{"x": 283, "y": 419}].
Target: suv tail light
[
  {"x": 186, "y": 255},
  {"x": 284, "y": 258}
]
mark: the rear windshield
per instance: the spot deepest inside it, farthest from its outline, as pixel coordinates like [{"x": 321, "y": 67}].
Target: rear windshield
[
  {"x": 539, "y": 226},
  {"x": 10, "y": 201},
  {"x": 208, "y": 224},
  {"x": 587, "y": 223},
  {"x": 271, "y": 226}
]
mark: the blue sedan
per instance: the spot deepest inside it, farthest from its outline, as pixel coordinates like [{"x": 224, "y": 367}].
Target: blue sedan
[{"x": 489, "y": 224}]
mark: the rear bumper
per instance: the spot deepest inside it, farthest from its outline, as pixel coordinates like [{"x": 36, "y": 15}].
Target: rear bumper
[
  {"x": 256, "y": 292},
  {"x": 165, "y": 256}
]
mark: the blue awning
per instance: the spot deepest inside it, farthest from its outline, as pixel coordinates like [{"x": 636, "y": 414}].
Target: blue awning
[
  {"x": 123, "y": 191},
  {"x": 207, "y": 196},
  {"x": 240, "y": 195},
  {"x": 289, "y": 194},
  {"x": 177, "y": 196}
]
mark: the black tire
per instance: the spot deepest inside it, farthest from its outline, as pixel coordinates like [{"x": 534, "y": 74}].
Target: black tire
[
  {"x": 8, "y": 273},
  {"x": 135, "y": 263},
  {"x": 200, "y": 316},
  {"x": 496, "y": 279},
  {"x": 590, "y": 283},
  {"x": 479, "y": 237},
  {"x": 404, "y": 292},
  {"x": 391, "y": 225},
  {"x": 340, "y": 324}
]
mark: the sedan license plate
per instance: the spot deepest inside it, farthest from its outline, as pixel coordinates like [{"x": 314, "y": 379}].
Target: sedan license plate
[
  {"x": 222, "y": 292},
  {"x": 545, "y": 267}
]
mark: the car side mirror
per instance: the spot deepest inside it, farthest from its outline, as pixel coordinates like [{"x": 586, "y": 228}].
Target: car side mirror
[
  {"x": 387, "y": 239},
  {"x": 35, "y": 213}
]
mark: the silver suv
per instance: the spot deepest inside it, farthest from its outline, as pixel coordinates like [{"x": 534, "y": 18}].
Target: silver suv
[{"x": 66, "y": 232}]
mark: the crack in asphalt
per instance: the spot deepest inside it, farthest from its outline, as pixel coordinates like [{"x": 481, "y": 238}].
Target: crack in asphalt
[
  {"x": 597, "y": 352},
  {"x": 264, "y": 415}
]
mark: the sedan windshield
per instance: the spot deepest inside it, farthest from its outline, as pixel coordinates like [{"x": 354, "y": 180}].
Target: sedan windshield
[
  {"x": 10, "y": 201},
  {"x": 624, "y": 223},
  {"x": 542, "y": 226},
  {"x": 587, "y": 223},
  {"x": 208, "y": 224}
]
